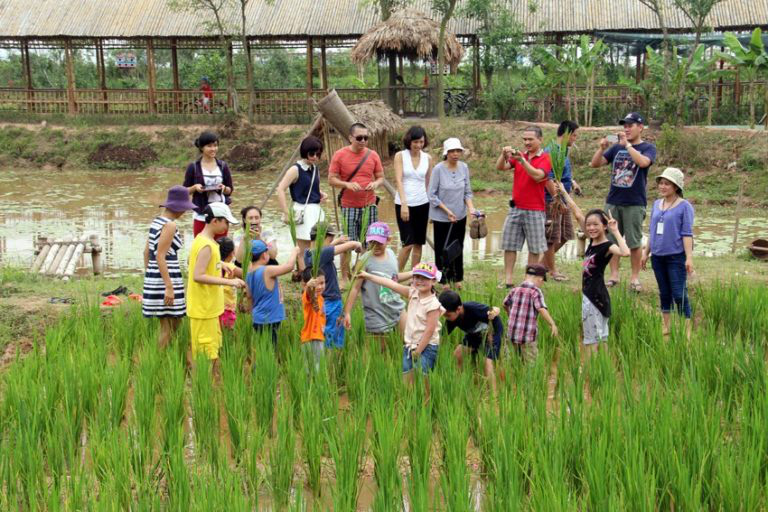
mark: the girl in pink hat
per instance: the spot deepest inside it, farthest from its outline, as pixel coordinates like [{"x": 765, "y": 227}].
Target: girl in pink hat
[{"x": 163, "y": 295}]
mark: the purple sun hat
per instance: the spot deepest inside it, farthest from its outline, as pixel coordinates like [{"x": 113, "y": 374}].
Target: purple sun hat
[{"x": 178, "y": 199}]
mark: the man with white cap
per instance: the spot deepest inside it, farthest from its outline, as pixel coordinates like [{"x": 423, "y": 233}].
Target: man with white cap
[
  {"x": 205, "y": 292},
  {"x": 526, "y": 220},
  {"x": 630, "y": 158}
]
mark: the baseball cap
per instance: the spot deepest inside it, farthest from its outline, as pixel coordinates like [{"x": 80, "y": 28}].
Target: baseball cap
[
  {"x": 330, "y": 230},
  {"x": 428, "y": 270},
  {"x": 222, "y": 211},
  {"x": 378, "y": 232},
  {"x": 632, "y": 118},
  {"x": 536, "y": 270},
  {"x": 258, "y": 247}
]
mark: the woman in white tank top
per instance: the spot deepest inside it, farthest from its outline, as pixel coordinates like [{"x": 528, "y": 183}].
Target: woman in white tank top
[{"x": 412, "y": 169}]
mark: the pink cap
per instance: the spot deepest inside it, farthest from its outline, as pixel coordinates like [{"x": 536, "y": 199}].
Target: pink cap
[{"x": 378, "y": 232}]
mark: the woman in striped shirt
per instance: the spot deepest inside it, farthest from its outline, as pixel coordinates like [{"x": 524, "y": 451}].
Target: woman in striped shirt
[{"x": 163, "y": 295}]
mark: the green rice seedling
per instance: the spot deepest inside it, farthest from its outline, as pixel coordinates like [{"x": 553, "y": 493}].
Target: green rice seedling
[
  {"x": 322, "y": 229},
  {"x": 454, "y": 433},
  {"x": 558, "y": 152},
  {"x": 292, "y": 225},
  {"x": 177, "y": 478},
  {"x": 247, "y": 256},
  {"x": 110, "y": 452},
  {"x": 173, "y": 403},
  {"x": 264, "y": 375},
  {"x": 358, "y": 371},
  {"x": 145, "y": 385},
  {"x": 360, "y": 263},
  {"x": 282, "y": 455},
  {"x": 205, "y": 408},
  {"x": 253, "y": 475},
  {"x": 296, "y": 373},
  {"x": 346, "y": 443},
  {"x": 364, "y": 223},
  {"x": 236, "y": 398},
  {"x": 419, "y": 446},
  {"x": 219, "y": 490},
  {"x": 312, "y": 440},
  {"x": 388, "y": 431}
]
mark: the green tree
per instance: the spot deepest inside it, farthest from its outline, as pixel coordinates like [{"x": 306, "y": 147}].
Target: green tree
[{"x": 751, "y": 61}]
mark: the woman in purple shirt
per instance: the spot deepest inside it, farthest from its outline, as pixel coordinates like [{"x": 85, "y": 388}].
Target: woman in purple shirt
[{"x": 670, "y": 246}]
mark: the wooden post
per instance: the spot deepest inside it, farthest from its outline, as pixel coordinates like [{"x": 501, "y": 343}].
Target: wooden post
[
  {"x": 151, "y": 82},
  {"x": 323, "y": 67},
  {"x": 96, "y": 254},
  {"x": 477, "y": 84},
  {"x": 732, "y": 167},
  {"x": 638, "y": 68},
  {"x": 72, "y": 105},
  {"x": 310, "y": 72},
  {"x": 27, "y": 70},
  {"x": 720, "y": 80},
  {"x": 175, "y": 75},
  {"x": 102, "y": 74},
  {"x": 231, "y": 65}
]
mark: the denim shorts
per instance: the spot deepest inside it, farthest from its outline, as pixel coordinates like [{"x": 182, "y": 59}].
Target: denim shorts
[{"x": 426, "y": 360}]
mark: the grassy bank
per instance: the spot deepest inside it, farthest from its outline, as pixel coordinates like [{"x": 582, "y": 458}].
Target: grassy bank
[
  {"x": 704, "y": 154},
  {"x": 97, "y": 417}
]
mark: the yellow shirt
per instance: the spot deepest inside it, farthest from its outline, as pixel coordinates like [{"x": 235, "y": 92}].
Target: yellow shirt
[
  {"x": 230, "y": 301},
  {"x": 204, "y": 300},
  {"x": 314, "y": 321}
]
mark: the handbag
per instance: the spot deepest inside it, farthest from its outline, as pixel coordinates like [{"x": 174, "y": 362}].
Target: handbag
[
  {"x": 452, "y": 250},
  {"x": 298, "y": 219},
  {"x": 359, "y": 165}
]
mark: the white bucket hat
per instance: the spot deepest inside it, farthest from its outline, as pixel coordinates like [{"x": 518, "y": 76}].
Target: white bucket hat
[
  {"x": 451, "y": 144},
  {"x": 673, "y": 175}
]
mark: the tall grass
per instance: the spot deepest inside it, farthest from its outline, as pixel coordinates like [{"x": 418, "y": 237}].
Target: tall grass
[{"x": 282, "y": 456}]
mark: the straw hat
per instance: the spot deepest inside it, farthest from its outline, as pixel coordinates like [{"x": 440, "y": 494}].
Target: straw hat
[{"x": 673, "y": 175}]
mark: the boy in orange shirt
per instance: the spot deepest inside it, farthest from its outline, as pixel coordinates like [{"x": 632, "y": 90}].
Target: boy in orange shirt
[{"x": 312, "y": 338}]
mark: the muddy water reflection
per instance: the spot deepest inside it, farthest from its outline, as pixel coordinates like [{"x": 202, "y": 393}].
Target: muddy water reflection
[{"x": 118, "y": 206}]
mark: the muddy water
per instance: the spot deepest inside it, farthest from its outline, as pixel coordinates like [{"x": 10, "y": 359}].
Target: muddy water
[{"x": 118, "y": 206}]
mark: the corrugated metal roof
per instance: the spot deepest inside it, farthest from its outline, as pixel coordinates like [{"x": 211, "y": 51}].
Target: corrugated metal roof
[{"x": 298, "y": 18}]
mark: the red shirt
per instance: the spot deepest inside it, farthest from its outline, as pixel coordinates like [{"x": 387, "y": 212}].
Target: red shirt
[
  {"x": 526, "y": 192},
  {"x": 207, "y": 91},
  {"x": 345, "y": 161}
]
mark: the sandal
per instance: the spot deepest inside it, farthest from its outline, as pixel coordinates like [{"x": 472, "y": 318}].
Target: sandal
[
  {"x": 111, "y": 301},
  {"x": 559, "y": 277},
  {"x": 611, "y": 283},
  {"x": 636, "y": 287}
]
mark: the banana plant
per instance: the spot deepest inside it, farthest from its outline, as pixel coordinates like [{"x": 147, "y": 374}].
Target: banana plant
[{"x": 751, "y": 62}]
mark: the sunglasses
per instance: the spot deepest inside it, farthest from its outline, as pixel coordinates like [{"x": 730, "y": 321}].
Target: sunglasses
[
  {"x": 361, "y": 138},
  {"x": 314, "y": 153}
]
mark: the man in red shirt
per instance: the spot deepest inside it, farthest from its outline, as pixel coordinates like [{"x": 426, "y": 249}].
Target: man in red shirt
[
  {"x": 358, "y": 172},
  {"x": 527, "y": 215}
]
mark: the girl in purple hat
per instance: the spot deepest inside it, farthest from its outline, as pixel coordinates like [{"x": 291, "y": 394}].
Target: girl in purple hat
[{"x": 163, "y": 295}]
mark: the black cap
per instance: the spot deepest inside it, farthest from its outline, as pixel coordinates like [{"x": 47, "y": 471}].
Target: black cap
[
  {"x": 330, "y": 230},
  {"x": 536, "y": 270},
  {"x": 633, "y": 118}
]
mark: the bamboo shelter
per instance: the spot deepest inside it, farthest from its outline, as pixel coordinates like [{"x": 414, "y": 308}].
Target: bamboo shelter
[
  {"x": 379, "y": 119},
  {"x": 408, "y": 34}
]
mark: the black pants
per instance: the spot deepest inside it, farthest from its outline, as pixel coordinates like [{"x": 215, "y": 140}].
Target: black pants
[{"x": 453, "y": 272}]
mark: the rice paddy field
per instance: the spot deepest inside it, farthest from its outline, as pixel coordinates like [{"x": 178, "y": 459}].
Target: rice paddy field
[{"x": 97, "y": 418}]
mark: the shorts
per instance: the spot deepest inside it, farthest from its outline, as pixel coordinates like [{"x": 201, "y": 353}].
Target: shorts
[
  {"x": 313, "y": 214},
  {"x": 227, "y": 319},
  {"x": 334, "y": 330},
  {"x": 524, "y": 225},
  {"x": 205, "y": 334},
  {"x": 272, "y": 328},
  {"x": 354, "y": 218},
  {"x": 630, "y": 219},
  {"x": 426, "y": 361},
  {"x": 528, "y": 351},
  {"x": 476, "y": 341},
  {"x": 595, "y": 325},
  {"x": 562, "y": 230},
  {"x": 413, "y": 232}
]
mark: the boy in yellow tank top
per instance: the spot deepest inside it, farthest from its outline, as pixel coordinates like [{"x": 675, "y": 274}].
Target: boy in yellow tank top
[{"x": 205, "y": 290}]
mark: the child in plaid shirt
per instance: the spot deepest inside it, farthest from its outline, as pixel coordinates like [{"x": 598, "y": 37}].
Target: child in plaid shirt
[{"x": 524, "y": 304}]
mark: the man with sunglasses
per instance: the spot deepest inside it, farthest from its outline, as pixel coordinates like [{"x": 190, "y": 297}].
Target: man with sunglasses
[{"x": 357, "y": 171}]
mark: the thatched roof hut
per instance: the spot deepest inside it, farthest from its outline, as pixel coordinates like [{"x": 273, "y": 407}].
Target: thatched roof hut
[
  {"x": 409, "y": 33},
  {"x": 379, "y": 119}
]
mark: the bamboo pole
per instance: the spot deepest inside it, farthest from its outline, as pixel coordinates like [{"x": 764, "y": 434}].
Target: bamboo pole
[
  {"x": 102, "y": 74},
  {"x": 323, "y": 66},
  {"x": 68, "y": 250},
  {"x": 72, "y": 265},
  {"x": 49, "y": 258},
  {"x": 71, "y": 104},
  {"x": 41, "y": 258},
  {"x": 151, "y": 82},
  {"x": 175, "y": 76},
  {"x": 60, "y": 251},
  {"x": 737, "y": 215}
]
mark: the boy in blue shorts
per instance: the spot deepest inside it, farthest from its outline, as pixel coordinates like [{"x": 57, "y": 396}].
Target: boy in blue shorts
[{"x": 482, "y": 329}]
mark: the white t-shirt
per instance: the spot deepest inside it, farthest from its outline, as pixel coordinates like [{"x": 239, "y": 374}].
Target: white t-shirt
[{"x": 211, "y": 178}]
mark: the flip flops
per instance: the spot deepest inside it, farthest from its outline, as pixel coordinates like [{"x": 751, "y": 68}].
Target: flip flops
[
  {"x": 120, "y": 290},
  {"x": 111, "y": 301},
  {"x": 559, "y": 277},
  {"x": 611, "y": 283},
  {"x": 61, "y": 300}
]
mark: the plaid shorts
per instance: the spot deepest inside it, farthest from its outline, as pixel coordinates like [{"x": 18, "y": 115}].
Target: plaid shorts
[
  {"x": 524, "y": 225},
  {"x": 354, "y": 218},
  {"x": 562, "y": 229}
]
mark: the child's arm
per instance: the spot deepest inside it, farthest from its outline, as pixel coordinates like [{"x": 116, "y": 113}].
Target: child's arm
[
  {"x": 273, "y": 271},
  {"x": 146, "y": 256},
  {"x": 346, "y": 247},
  {"x": 545, "y": 314},
  {"x": 353, "y": 293},
  {"x": 163, "y": 244},
  {"x": 404, "y": 276},
  {"x": 429, "y": 330},
  {"x": 620, "y": 247},
  {"x": 388, "y": 283},
  {"x": 203, "y": 258},
  {"x": 574, "y": 207}
]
